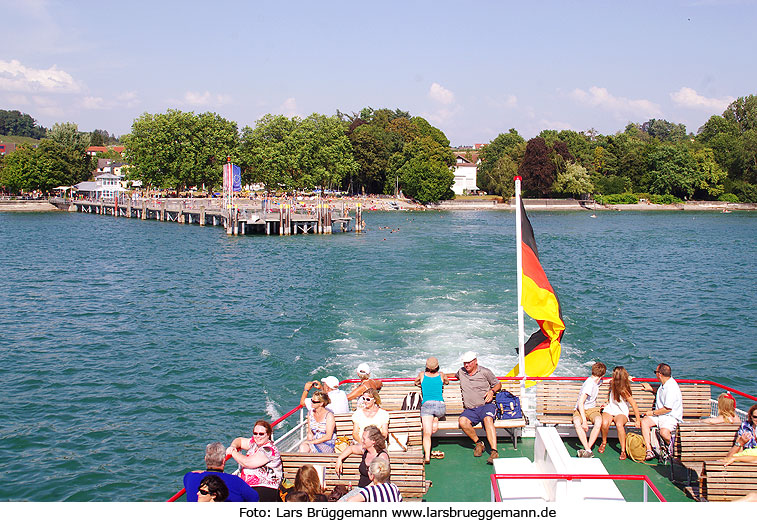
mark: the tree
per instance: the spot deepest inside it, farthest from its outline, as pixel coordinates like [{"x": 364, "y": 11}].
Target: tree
[
  {"x": 664, "y": 130},
  {"x": 372, "y": 157},
  {"x": 13, "y": 123},
  {"x": 423, "y": 171},
  {"x": 180, "y": 149},
  {"x": 573, "y": 181},
  {"x": 43, "y": 168},
  {"x": 537, "y": 169},
  {"x": 743, "y": 113},
  {"x": 68, "y": 135},
  {"x": 496, "y": 159}
]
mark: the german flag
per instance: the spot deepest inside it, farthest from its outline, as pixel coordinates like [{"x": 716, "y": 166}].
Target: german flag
[{"x": 539, "y": 301}]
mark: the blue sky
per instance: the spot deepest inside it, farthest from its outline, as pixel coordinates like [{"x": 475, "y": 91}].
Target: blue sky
[{"x": 473, "y": 69}]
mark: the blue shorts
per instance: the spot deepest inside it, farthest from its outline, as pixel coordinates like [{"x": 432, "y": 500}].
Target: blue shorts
[
  {"x": 478, "y": 414},
  {"x": 434, "y": 408}
]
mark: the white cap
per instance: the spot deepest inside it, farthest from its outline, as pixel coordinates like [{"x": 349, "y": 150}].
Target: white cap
[
  {"x": 332, "y": 381},
  {"x": 469, "y": 356},
  {"x": 363, "y": 368}
]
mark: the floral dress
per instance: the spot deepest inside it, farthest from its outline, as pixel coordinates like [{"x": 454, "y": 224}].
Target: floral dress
[{"x": 268, "y": 475}]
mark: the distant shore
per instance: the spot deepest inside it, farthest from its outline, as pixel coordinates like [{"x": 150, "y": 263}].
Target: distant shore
[{"x": 392, "y": 204}]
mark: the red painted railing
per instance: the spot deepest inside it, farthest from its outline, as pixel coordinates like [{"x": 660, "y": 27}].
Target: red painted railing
[{"x": 556, "y": 476}]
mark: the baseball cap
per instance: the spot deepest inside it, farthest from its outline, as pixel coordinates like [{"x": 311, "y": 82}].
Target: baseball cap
[
  {"x": 363, "y": 368},
  {"x": 469, "y": 356},
  {"x": 332, "y": 381}
]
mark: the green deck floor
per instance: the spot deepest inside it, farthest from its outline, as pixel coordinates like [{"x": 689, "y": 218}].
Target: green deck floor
[{"x": 460, "y": 477}]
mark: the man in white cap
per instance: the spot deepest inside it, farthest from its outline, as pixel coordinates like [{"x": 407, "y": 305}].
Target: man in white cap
[
  {"x": 339, "y": 402},
  {"x": 478, "y": 386}
]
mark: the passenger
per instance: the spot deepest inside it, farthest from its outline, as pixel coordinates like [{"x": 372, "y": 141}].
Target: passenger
[
  {"x": 617, "y": 409},
  {"x": 297, "y": 496},
  {"x": 364, "y": 373},
  {"x": 308, "y": 482},
  {"x": 380, "y": 489},
  {"x": 587, "y": 410},
  {"x": 478, "y": 386},
  {"x": 668, "y": 411},
  {"x": 745, "y": 448},
  {"x": 212, "y": 489},
  {"x": 433, "y": 408},
  {"x": 239, "y": 490},
  {"x": 370, "y": 414},
  {"x": 726, "y": 410},
  {"x": 372, "y": 447},
  {"x": 261, "y": 466},
  {"x": 321, "y": 436},
  {"x": 339, "y": 402}
]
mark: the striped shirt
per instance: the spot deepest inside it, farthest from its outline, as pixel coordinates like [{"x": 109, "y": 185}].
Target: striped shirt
[{"x": 386, "y": 492}]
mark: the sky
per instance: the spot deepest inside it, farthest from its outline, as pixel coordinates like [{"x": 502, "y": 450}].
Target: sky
[{"x": 473, "y": 69}]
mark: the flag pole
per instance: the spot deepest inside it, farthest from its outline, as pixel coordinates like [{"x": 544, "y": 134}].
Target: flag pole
[{"x": 519, "y": 260}]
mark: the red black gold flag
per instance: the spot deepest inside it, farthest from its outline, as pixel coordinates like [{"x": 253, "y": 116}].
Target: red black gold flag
[{"x": 539, "y": 301}]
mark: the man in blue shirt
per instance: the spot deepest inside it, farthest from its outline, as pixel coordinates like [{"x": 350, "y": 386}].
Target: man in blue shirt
[{"x": 215, "y": 458}]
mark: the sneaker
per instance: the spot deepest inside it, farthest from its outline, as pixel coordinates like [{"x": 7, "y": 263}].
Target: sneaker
[
  {"x": 664, "y": 453},
  {"x": 583, "y": 453},
  {"x": 478, "y": 450},
  {"x": 492, "y": 456}
]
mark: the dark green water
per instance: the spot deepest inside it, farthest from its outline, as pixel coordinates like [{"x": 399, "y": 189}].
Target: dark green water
[{"x": 128, "y": 345}]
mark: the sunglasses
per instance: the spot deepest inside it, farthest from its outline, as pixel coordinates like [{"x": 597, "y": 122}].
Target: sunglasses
[
  {"x": 259, "y": 433},
  {"x": 316, "y": 401},
  {"x": 367, "y": 398},
  {"x": 203, "y": 492}
]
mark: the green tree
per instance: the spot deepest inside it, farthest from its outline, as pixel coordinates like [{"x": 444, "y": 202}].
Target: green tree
[
  {"x": 180, "y": 149},
  {"x": 423, "y": 171},
  {"x": 493, "y": 171},
  {"x": 573, "y": 181},
  {"x": 68, "y": 135},
  {"x": 743, "y": 113},
  {"x": 43, "y": 168}
]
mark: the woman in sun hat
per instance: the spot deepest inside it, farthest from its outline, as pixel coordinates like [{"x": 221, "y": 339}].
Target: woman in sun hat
[
  {"x": 364, "y": 373},
  {"x": 433, "y": 408}
]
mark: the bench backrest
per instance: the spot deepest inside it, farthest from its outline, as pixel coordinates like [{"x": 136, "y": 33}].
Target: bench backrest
[
  {"x": 394, "y": 392},
  {"x": 727, "y": 483},
  {"x": 400, "y": 422},
  {"x": 407, "y": 470},
  {"x": 555, "y": 400},
  {"x": 697, "y": 442}
]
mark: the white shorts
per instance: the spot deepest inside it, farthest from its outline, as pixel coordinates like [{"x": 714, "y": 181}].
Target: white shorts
[{"x": 665, "y": 422}]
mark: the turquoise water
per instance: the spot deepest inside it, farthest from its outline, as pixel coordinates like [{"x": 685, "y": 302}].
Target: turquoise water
[{"x": 128, "y": 345}]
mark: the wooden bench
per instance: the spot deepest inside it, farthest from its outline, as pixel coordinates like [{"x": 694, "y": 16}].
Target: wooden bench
[
  {"x": 400, "y": 422},
  {"x": 697, "y": 442},
  {"x": 556, "y": 400},
  {"x": 728, "y": 483},
  {"x": 407, "y": 470},
  {"x": 394, "y": 392}
]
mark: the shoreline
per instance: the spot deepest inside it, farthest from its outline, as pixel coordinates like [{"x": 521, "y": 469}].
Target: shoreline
[{"x": 391, "y": 204}]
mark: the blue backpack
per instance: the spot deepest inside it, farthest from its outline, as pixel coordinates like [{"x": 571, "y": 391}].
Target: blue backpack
[{"x": 508, "y": 406}]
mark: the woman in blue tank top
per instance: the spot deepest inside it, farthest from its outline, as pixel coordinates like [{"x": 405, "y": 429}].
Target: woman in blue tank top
[{"x": 433, "y": 408}]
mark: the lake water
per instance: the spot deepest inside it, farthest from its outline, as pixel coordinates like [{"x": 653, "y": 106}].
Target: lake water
[{"x": 128, "y": 345}]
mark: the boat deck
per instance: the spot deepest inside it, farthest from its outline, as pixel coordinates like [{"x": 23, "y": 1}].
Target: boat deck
[{"x": 471, "y": 482}]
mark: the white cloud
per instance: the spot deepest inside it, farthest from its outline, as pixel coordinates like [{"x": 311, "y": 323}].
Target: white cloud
[
  {"x": 130, "y": 99},
  {"x": 203, "y": 99},
  {"x": 16, "y": 77},
  {"x": 94, "y": 103},
  {"x": 289, "y": 108},
  {"x": 688, "y": 97},
  {"x": 440, "y": 94},
  {"x": 620, "y": 106},
  {"x": 556, "y": 125}
]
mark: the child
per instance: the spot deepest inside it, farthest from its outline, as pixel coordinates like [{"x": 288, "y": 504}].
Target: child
[{"x": 587, "y": 410}]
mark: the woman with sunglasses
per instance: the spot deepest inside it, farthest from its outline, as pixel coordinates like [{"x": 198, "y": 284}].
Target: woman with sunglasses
[
  {"x": 261, "y": 466},
  {"x": 370, "y": 413},
  {"x": 617, "y": 409},
  {"x": 322, "y": 426},
  {"x": 212, "y": 489},
  {"x": 745, "y": 448}
]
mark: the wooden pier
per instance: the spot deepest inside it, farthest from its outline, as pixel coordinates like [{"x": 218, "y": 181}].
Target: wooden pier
[{"x": 247, "y": 217}]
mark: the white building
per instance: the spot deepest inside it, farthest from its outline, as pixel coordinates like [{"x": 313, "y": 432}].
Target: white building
[
  {"x": 106, "y": 186},
  {"x": 465, "y": 176}
]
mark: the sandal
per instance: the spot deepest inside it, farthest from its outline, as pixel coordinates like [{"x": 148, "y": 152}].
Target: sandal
[
  {"x": 622, "y": 455},
  {"x": 437, "y": 454},
  {"x": 650, "y": 455},
  {"x": 602, "y": 447}
]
